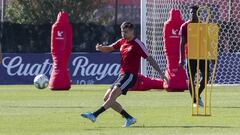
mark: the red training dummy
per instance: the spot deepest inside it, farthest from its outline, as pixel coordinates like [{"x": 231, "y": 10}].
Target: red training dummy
[
  {"x": 61, "y": 46},
  {"x": 177, "y": 76}
]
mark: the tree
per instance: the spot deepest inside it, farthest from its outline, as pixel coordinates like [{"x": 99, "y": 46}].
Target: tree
[{"x": 45, "y": 11}]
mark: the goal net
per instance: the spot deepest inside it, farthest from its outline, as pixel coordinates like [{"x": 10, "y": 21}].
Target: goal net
[{"x": 225, "y": 13}]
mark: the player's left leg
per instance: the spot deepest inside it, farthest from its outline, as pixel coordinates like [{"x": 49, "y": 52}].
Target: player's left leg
[
  {"x": 202, "y": 80},
  {"x": 203, "y": 70}
]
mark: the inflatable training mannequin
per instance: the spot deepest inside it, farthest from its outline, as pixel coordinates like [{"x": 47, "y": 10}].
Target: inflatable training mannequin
[
  {"x": 61, "y": 47},
  {"x": 177, "y": 76}
]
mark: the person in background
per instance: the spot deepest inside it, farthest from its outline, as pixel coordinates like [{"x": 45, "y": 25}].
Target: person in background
[{"x": 193, "y": 62}]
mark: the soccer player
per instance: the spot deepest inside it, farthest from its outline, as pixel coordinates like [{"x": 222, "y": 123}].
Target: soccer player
[
  {"x": 193, "y": 62},
  {"x": 131, "y": 51}
]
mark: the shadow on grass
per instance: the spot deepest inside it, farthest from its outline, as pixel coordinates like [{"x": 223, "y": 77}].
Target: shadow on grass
[
  {"x": 229, "y": 107},
  {"x": 92, "y": 129},
  {"x": 182, "y": 127},
  {"x": 172, "y": 127},
  {"x": 44, "y": 107}
]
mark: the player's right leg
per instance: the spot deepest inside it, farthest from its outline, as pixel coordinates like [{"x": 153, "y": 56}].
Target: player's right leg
[
  {"x": 193, "y": 65},
  {"x": 111, "y": 102},
  {"x": 121, "y": 86},
  {"x": 202, "y": 81},
  {"x": 114, "y": 94},
  {"x": 93, "y": 115},
  {"x": 116, "y": 106},
  {"x": 125, "y": 82},
  {"x": 89, "y": 115}
]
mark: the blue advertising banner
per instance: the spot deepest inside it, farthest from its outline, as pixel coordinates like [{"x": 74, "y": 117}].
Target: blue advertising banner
[
  {"x": 92, "y": 68},
  {"x": 84, "y": 68}
]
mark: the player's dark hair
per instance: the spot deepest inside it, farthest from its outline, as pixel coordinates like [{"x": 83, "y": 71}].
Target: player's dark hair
[
  {"x": 127, "y": 25},
  {"x": 194, "y": 8}
]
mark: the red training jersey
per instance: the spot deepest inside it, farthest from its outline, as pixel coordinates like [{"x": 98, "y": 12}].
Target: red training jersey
[
  {"x": 131, "y": 53},
  {"x": 183, "y": 32}
]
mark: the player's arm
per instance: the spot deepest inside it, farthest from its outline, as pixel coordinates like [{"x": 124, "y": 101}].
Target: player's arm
[
  {"x": 183, "y": 41},
  {"x": 154, "y": 64},
  {"x": 104, "y": 49}
]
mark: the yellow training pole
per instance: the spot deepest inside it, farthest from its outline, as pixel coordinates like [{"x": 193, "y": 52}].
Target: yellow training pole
[{"x": 202, "y": 45}]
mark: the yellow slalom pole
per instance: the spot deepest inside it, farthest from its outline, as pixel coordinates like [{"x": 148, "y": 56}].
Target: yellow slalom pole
[
  {"x": 192, "y": 88},
  {"x": 197, "y": 68},
  {"x": 206, "y": 35},
  {"x": 215, "y": 58},
  {"x": 205, "y": 58},
  {"x": 206, "y": 62},
  {"x": 198, "y": 60}
]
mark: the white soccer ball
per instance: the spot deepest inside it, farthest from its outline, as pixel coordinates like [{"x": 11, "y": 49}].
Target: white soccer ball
[{"x": 41, "y": 81}]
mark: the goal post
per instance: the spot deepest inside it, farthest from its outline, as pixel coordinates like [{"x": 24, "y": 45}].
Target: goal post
[
  {"x": 225, "y": 13},
  {"x": 143, "y": 29}
]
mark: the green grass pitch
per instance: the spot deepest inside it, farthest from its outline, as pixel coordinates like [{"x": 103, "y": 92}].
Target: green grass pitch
[{"x": 24, "y": 110}]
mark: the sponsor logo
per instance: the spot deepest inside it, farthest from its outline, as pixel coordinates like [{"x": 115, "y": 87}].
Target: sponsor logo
[
  {"x": 174, "y": 33},
  {"x": 59, "y": 35},
  {"x": 16, "y": 67},
  {"x": 81, "y": 67}
]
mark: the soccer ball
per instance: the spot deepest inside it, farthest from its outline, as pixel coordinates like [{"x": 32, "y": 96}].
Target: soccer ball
[{"x": 41, "y": 81}]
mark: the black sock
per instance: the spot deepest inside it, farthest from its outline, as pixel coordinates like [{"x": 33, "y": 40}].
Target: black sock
[
  {"x": 99, "y": 111},
  {"x": 194, "y": 100},
  {"x": 125, "y": 114}
]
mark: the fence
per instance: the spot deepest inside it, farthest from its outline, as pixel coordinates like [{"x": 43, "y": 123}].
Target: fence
[{"x": 17, "y": 38}]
